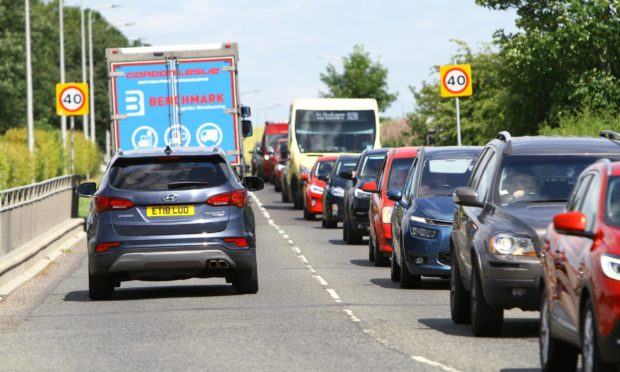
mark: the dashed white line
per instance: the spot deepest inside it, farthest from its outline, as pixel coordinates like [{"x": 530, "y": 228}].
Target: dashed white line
[
  {"x": 422, "y": 359},
  {"x": 311, "y": 269},
  {"x": 320, "y": 280},
  {"x": 334, "y": 295},
  {"x": 351, "y": 315},
  {"x": 296, "y": 250},
  {"x": 285, "y": 236},
  {"x": 303, "y": 258},
  {"x": 290, "y": 241}
]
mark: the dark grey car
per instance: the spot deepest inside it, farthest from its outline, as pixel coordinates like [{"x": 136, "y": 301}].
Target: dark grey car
[
  {"x": 516, "y": 188},
  {"x": 168, "y": 215}
]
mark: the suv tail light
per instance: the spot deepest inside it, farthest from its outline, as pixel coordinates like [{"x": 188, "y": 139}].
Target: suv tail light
[
  {"x": 103, "y": 203},
  {"x": 236, "y": 198},
  {"x": 239, "y": 242},
  {"x": 104, "y": 247}
]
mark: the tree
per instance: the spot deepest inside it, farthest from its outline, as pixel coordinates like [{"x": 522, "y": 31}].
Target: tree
[
  {"x": 361, "y": 78},
  {"x": 482, "y": 114},
  {"x": 565, "y": 59}
]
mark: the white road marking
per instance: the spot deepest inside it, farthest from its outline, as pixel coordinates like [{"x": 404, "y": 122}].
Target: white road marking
[
  {"x": 334, "y": 295},
  {"x": 337, "y": 298},
  {"x": 422, "y": 359},
  {"x": 290, "y": 241},
  {"x": 320, "y": 280},
  {"x": 351, "y": 315}
]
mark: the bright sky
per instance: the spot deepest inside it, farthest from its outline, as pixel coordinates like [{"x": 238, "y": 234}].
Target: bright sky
[{"x": 284, "y": 45}]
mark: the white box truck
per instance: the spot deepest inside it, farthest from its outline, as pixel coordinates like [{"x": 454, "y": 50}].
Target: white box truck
[{"x": 179, "y": 95}]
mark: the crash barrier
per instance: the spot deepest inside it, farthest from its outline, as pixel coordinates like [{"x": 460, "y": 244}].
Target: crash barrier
[{"x": 28, "y": 211}]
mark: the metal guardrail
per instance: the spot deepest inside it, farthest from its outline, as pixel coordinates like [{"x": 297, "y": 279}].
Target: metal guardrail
[{"x": 28, "y": 211}]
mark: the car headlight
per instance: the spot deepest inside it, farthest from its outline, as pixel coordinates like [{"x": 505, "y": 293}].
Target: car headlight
[
  {"x": 611, "y": 266},
  {"x": 266, "y": 156},
  {"x": 422, "y": 232},
  {"x": 509, "y": 244},
  {"x": 337, "y": 191},
  {"x": 316, "y": 189},
  {"x": 361, "y": 194},
  {"x": 280, "y": 167},
  {"x": 386, "y": 214}
]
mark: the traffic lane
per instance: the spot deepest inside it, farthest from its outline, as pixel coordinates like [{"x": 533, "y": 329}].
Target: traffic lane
[
  {"x": 191, "y": 325},
  {"x": 416, "y": 322}
]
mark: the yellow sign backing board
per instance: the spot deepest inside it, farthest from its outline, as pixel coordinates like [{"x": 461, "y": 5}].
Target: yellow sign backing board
[
  {"x": 72, "y": 99},
  {"x": 455, "y": 80}
]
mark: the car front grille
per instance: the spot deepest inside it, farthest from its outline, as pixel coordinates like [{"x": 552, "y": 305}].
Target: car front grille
[{"x": 445, "y": 258}]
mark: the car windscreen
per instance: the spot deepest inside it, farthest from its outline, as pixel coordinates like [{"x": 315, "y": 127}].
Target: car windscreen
[
  {"x": 345, "y": 166},
  {"x": 271, "y": 139},
  {"x": 371, "y": 165},
  {"x": 539, "y": 178},
  {"x": 398, "y": 173},
  {"x": 440, "y": 176},
  {"x": 335, "y": 131},
  {"x": 153, "y": 174},
  {"x": 323, "y": 168}
]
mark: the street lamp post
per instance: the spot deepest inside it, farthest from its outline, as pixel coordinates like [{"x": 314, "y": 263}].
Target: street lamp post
[
  {"x": 93, "y": 134},
  {"x": 29, "y": 108},
  {"x": 83, "y": 36},
  {"x": 61, "y": 27}
]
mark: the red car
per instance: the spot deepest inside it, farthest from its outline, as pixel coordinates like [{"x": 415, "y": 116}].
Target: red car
[
  {"x": 580, "y": 308},
  {"x": 280, "y": 154},
  {"x": 273, "y": 132},
  {"x": 392, "y": 175},
  {"x": 314, "y": 184}
]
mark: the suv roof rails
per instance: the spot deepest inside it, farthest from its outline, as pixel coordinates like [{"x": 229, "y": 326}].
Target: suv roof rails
[
  {"x": 607, "y": 163},
  {"x": 504, "y": 136},
  {"x": 610, "y": 134}
]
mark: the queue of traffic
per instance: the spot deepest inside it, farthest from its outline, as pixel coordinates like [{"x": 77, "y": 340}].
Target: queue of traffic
[{"x": 523, "y": 222}]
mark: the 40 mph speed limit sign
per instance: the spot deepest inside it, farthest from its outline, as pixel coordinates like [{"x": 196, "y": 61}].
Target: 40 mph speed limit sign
[
  {"x": 455, "y": 80},
  {"x": 72, "y": 99}
]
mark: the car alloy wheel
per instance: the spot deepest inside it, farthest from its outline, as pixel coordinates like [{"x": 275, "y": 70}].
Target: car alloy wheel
[
  {"x": 485, "y": 320},
  {"x": 590, "y": 353},
  {"x": 459, "y": 297},
  {"x": 380, "y": 259},
  {"x": 394, "y": 268},
  {"x": 555, "y": 355}
]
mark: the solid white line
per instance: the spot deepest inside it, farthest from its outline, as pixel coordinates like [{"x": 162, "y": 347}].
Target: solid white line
[
  {"x": 267, "y": 216},
  {"x": 333, "y": 294},
  {"x": 422, "y": 359},
  {"x": 320, "y": 280}
]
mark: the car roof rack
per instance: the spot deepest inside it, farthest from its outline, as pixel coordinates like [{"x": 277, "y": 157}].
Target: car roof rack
[
  {"x": 504, "y": 136},
  {"x": 610, "y": 134}
]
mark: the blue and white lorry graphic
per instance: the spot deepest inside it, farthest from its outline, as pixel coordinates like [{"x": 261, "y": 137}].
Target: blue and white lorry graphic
[{"x": 176, "y": 96}]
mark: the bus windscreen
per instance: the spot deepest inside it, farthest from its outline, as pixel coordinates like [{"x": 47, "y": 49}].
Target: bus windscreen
[{"x": 335, "y": 131}]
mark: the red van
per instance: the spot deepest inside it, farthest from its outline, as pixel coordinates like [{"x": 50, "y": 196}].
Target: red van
[{"x": 273, "y": 132}]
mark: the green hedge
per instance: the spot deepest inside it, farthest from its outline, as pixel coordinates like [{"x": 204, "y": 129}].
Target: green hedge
[
  {"x": 18, "y": 168},
  {"x": 584, "y": 124}
]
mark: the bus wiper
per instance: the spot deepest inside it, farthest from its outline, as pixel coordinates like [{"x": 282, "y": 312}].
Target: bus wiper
[{"x": 182, "y": 184}]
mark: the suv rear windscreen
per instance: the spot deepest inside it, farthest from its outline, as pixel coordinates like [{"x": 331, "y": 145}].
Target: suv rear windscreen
[
  {"x": 539, "y": 178},
  {"x": 152, "y": 174}
]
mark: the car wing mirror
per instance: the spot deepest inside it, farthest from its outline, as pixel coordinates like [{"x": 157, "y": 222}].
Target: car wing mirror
[
  {"x": 370, "y": 187},
  {"x": 572, "y": 223},
  {"x": 86, "y": 189},
  {"x": 394, "y": 195},
  {"x": 252, "y": 183},
  {"x": 467, "y": 197}
]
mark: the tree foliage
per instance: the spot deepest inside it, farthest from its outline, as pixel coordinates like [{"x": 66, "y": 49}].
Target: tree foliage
[
  {"x": 360, "y": 78},
  {"x": 45, "y": 62},
  {"x": 564, "y": 59}
]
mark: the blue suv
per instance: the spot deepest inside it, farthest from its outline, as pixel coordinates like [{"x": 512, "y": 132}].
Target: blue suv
[
  {"x": 423, "y": 213},
  {"x": 167, "y": 215}
]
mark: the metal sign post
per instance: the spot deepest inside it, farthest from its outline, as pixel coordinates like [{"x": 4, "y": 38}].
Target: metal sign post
[
  {"x": 456, "y": 82},
  {"x": 72, "y": 126}
]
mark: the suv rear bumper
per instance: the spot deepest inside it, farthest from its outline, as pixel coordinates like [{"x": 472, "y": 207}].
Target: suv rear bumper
[
  {"x": 195, "y": 259},
  {"x": 509, "y": 282}
]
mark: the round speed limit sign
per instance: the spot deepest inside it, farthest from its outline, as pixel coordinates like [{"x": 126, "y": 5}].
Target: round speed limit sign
[
  {"x": 455, "y": 80},
  {"x": 72, "y": 99}
]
